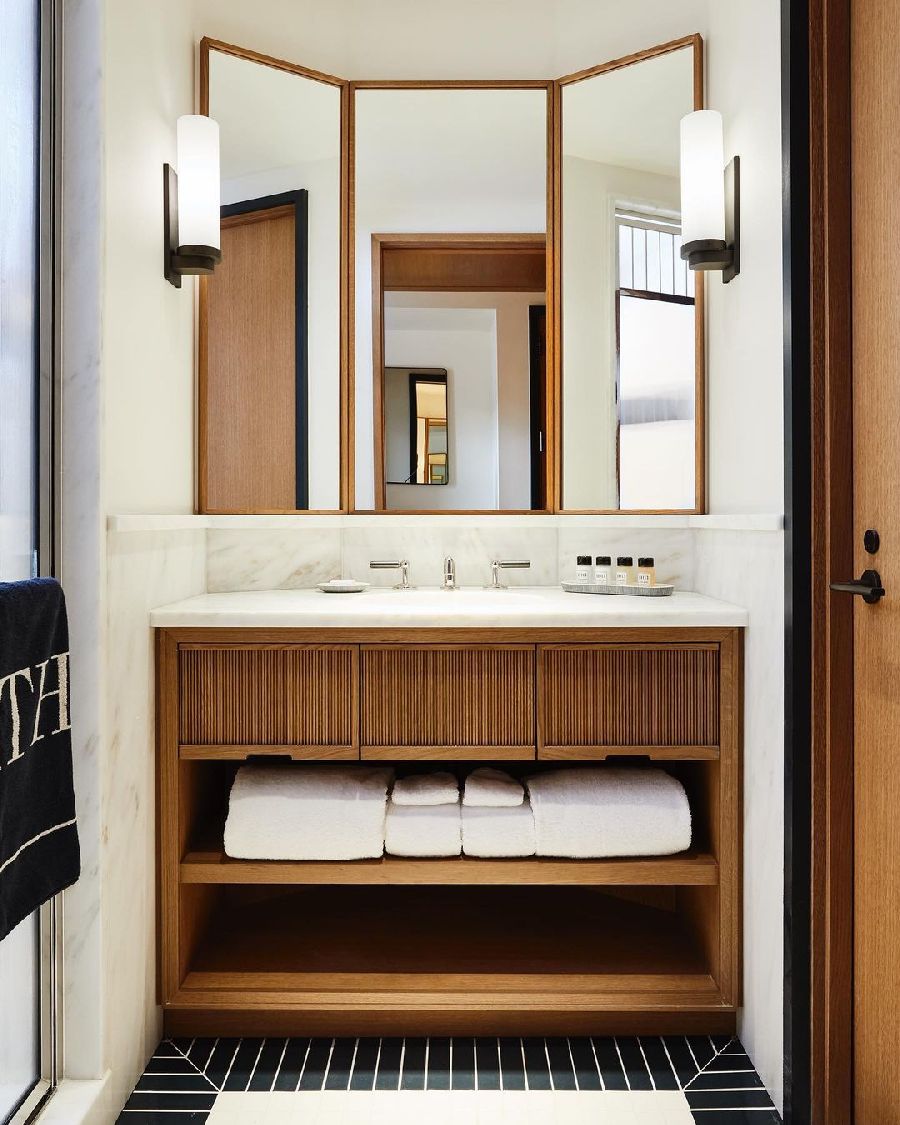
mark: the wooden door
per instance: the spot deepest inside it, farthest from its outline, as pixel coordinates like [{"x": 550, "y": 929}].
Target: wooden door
[
  {"x": 876, "y": 437},
  {"x": 251, "y": 381}
]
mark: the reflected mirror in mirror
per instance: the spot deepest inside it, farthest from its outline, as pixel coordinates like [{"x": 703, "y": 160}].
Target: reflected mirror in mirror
[
  {"x": 415, "y": 426},
  {"x": 630, "y": 373},
  {"x": 271, "y": 373},
  {"x": 445, "y": 182}
]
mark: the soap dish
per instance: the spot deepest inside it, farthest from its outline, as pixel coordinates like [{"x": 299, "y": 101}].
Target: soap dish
[
  {"x": 661, "y": 591},
  {"x": 343, "y": 586}
]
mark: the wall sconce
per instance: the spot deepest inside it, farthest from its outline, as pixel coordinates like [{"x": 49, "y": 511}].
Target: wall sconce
[
  {"x": 710, "y": 198},
  {"x": 191, "y": 201}
]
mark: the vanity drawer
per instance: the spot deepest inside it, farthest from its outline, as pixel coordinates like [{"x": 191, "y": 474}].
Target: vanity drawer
[
  {"x": 291, "y": 699},
  {"x": 447, "y": 701},
  {"x": 598, "y": 700}
]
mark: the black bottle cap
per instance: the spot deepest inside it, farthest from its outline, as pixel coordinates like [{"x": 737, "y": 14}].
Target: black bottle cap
[
  {"x": 646, "y": 562},
  {"x": 584, "y": 560},
  {"x": 625, "y": 560},
  {"x": 603, "y": 560}
]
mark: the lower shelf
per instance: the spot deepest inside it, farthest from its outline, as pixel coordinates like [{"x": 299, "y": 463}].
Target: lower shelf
[
  {"x": 692, "y": 868},
  {"x": 435, "y": 959}
]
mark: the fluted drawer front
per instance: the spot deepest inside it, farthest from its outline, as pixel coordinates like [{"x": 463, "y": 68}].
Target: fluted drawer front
[
  {"x": 629, "y": 696},
  {"x": 291, "y": 696},
  {"x": 455, "y": 700}
]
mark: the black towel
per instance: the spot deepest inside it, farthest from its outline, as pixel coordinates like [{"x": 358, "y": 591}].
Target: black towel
[{"x": 39, "y": 854}]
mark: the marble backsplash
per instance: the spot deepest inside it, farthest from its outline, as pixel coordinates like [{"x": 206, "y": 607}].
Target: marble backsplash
[{"x": 270, "y": 558}]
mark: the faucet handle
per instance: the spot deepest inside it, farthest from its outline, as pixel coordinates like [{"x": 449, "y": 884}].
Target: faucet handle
[
  {"x": 394, "y": 564},
  {"x": 505, "y": 564}
]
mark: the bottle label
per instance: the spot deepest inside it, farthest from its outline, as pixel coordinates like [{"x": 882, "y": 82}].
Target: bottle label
[
  {"x": 582, "y": 574},
  {"x": 643, "y": 578},
  {"x": 622, "y": 577},
  {"x": 601, "y": 577}
]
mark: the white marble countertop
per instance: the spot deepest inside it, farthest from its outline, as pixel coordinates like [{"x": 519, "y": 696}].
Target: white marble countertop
[{"x": 466, "y": 608}]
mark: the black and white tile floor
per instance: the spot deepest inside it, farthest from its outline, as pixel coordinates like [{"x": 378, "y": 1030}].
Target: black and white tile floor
[{"x": 577, "y": 1081}]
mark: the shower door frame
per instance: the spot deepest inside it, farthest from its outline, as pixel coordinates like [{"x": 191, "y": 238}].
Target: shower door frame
[{"x": 47, "y": 448}]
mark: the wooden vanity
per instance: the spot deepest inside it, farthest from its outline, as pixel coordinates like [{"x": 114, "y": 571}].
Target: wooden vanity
[{"x": 450, "y": 946}]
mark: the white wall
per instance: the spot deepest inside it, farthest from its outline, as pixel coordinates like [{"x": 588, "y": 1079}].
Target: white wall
[
  {"x": 590, "y": 194},
  {"x": 464, "y": 341},
  {"x": 746, "y": 474},
  {"x": 745, "y": 337}
]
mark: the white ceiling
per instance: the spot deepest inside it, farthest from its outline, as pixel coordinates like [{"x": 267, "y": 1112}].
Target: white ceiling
[
  {"x": 630, "y": 117},
  {"x": 270, "y": 118}
]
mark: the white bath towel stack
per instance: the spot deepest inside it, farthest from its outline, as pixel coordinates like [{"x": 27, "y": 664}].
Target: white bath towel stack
[
  {"x": 423, "y": 817},
  {"x": 605, "y": 811},
  {"x": 307, "y": 812},
  {"x": 497, "y": 822}
]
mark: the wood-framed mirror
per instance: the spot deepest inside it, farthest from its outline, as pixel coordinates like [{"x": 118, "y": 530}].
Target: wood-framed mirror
[
  {"x": 632, "y": 373},
  {"x": 273, "y": 380},
  {"x": 523, "y": 237},
  {"x": 446, "y": 176}
]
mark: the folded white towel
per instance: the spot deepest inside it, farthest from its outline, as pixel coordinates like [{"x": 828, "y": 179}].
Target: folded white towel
[
  {"x": 426, "y": 789},
  {"x": 498, "y": 833},
  {"x": 492, "y": 789},
  {"x": 584, "y": 813},
  {"x": 423, "y": 830},
  {"x": 307, "y": 812}
]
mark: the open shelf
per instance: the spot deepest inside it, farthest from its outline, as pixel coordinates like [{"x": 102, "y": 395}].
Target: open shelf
[
  {"x": 423, "y": 937},
  {"x": 691, "y": 868}
]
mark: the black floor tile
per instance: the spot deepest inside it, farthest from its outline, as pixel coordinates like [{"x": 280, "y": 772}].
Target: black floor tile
[
  {"x": 414, "y": 1058},
  {"x": 587, "y": 1073},
  {"x": 610, "y": 1064},
  {"x": 222, "y": 1056},
  {"x": 315, "y": 1064},
  {"x": 561, "y": 1070},
  {"x": 184, "y": 1076},
  {"x": 537, "y": 1069},
  {"x": 657, "y": 1060},
  {"x": 338, "y": 1076},
  {"x": 728, "y": 1099},
  {"x": 242, "y": 1065},
  {"x": 438, "y": 1064},
  {"x": 363, "y": 1076},
  {"x": 174, "y": 1083},
  {"x": 487, "y": 1060},
  {"x": 266, "y": 1067},
  {"x": 633, "y": 1061},
  {"x": 180, "y": 1102},
  {"x": 462, "y": 1064},
  {"x": 388, "y": 1074},
  {"x": 287, "y": 1075}
]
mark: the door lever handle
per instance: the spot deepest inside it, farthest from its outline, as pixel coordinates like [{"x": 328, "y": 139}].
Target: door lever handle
[{"x": 868, "y": 587}]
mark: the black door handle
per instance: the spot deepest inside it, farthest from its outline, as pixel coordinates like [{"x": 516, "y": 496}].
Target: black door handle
[{"x": 868, "y": 587}]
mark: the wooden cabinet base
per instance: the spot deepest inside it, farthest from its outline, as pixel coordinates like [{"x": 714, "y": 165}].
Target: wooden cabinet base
[
  {"x": 274, "y": 1020},
  {"x": 457, "y": 946}
]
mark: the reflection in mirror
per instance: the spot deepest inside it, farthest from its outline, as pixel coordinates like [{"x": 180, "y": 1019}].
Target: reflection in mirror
[
  {"x": 471, "y": 161},
  {"x": 629, "y": 365},
  {"x": 270, "y": 384},
  {"x": 415, "y": 426}
]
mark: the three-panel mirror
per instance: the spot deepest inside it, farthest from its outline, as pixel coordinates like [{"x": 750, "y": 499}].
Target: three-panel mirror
[{"x": 441, "y": 297}]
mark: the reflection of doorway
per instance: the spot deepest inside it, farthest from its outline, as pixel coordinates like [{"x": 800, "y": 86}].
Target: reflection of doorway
[{"x": 501, "y": 272}]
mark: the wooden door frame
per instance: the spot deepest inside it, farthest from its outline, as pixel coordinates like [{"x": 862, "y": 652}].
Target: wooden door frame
[{"x": 819, "y": 550}]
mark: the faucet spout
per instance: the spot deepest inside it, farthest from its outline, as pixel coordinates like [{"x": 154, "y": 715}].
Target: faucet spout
[{"x": 449, "y": 574}]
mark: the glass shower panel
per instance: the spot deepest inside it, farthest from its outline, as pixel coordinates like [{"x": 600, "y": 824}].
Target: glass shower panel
[{"x": 20, "y": 1058}]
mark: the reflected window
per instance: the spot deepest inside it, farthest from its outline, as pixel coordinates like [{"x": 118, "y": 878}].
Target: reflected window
[{"x": 656, "y": 373}]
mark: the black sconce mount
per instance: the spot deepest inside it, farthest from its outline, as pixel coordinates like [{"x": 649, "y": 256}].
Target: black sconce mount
[
  {"x": 713, "y": 253},
  {"x": 181, "y": 260}
]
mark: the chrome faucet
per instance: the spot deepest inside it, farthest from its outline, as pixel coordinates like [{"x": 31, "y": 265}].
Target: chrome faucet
[
  {"x": 505, "y": 564},
  {"x": 449, "y": 575},
  {"x": 401, "y": 564}
]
